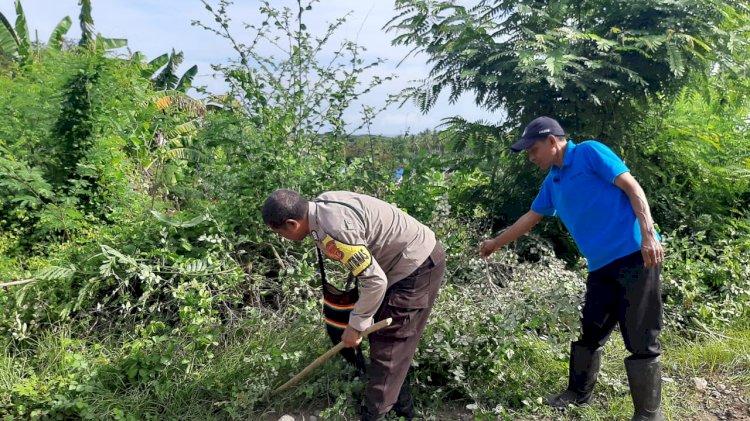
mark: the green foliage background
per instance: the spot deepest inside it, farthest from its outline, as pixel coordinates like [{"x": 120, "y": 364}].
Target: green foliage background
[{"x": 157, "y": 293}]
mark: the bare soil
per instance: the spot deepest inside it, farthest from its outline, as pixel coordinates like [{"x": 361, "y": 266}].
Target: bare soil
[{"x": 720, "y": 400}]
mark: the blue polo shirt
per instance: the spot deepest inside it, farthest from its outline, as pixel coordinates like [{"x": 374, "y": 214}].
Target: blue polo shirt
[{"x": 596, "y": 212}]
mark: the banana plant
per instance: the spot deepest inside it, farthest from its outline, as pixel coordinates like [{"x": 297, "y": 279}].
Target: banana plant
[
  {"x": 177, "y": 119},
  {"x": 89, "y": 37},
  {"x": 57, "y": 37},
  {"x": 15, "y": 41},
  {"x": 167, "y": 79}
]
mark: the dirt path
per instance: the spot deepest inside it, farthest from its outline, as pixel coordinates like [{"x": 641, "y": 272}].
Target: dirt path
[
  {"x": 709, "y": 399},
  {"x": 720, "y": 401}
]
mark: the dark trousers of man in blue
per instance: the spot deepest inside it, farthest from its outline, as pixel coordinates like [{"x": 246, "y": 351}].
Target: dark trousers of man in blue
[{"x": 627, "y": 294}]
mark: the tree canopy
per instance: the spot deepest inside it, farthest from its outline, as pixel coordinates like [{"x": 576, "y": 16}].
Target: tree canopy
[{"x": 589, "y": 63}]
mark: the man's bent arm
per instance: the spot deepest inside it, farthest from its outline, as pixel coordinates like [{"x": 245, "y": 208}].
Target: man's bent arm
[{"x": 651, "y": 248}]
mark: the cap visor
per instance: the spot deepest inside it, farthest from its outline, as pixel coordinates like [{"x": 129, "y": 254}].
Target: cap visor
[{"x": 522, "y": 144}]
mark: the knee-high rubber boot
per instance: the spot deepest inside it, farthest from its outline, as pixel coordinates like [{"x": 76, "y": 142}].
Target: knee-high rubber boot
[
  {"x": 644, "y": 378},
  {"x": 404, "y": 406},
  {"x": 583, "y": 371}
]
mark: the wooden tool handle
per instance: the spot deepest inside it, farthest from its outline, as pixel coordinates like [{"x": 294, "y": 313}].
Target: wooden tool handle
[{"x": 339, "y": 346}]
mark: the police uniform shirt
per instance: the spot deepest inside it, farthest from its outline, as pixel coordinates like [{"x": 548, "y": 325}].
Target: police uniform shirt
[{"x": 376, "y": 241}]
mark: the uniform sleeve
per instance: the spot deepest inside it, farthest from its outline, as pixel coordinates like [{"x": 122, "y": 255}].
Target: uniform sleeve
[
  {"x": 602, "y": 161},
  {"x": 543, "y": 202},
  {"x": 345, "y": 243},
  {"x": 372, "y": 286}
]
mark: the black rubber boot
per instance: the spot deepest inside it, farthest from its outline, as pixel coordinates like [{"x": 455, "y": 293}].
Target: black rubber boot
[
  {"x": 369, "y": 416},
  {"x": 404, "y": 406},
  {"x": 644, "y": 378},
  {"x": 583, "y": 370}
]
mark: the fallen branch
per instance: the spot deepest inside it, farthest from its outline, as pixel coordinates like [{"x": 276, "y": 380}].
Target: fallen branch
[
  {"x": 318, "y": 361},
  {"x": 278, "y": 258},
  {"x": 708, "y": 332},
  {"x": 10, "y": 284},
  {"x": 490, "y": 279}
]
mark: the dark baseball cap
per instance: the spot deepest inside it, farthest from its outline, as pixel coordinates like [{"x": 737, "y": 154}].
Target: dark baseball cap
[{"x": 540, "y": 127}]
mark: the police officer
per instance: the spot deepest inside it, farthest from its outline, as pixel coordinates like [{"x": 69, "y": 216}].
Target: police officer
[
  {"x": 399, "y": 265},
  {"x": 605, "y": 210}
]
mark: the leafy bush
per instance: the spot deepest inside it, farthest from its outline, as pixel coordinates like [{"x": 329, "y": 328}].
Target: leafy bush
[
  {"x": 706, "y": 282},
  {"x": 486, "y": 342},
  {"x": 51, "y": 382},
  {"x": 689, "y": 156}
]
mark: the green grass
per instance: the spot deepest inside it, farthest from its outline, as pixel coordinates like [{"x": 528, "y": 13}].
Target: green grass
[
  {"x": 61, "y": 375},
  {"x": 722, "y": 355}
]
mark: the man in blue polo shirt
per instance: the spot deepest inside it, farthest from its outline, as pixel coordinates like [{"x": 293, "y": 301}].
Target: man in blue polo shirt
[{"x": 606, "y": 212}]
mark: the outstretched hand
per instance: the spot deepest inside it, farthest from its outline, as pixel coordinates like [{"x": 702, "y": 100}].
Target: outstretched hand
[{"x": 487, "y": 248}]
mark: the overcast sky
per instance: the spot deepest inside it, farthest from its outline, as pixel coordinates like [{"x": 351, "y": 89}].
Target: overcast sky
[{"x": 155, "y": 27}]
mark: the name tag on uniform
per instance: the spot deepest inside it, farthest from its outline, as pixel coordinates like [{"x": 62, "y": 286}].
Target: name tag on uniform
[{"x": 355, "y": 257}]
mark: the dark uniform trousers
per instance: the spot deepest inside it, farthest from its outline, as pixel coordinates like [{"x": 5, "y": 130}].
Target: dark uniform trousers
[
  {"x": 409, "y": 302},
  {"x": 624, "y": 292}
]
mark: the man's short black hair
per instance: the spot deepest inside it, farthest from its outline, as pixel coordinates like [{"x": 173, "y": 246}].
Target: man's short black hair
[{"x": 281, "y": 205}]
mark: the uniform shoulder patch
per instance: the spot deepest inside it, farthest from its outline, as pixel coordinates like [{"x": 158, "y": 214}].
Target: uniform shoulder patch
[{"x": 355, "y": 257}]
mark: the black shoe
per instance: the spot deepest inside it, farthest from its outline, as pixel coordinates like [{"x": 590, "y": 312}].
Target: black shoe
[
  {"x": 404, "y": 406},
  {"x": 583, "y": 370},
  {"x": 367, "y": 414},
  {"x": 644, "y": 378},
  {"x": 568, "y": 397}
]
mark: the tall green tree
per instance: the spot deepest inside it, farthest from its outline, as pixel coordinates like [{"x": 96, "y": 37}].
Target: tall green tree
[
  {"x": 86, "y": 20},
  {"x": 596, "y": 65},
  {"x": 591, "y": 63}
]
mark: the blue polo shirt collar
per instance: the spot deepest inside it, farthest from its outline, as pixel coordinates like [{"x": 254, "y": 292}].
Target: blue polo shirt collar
[{"x": 568, "y": 158}]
